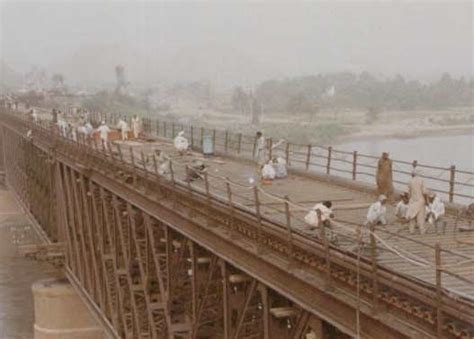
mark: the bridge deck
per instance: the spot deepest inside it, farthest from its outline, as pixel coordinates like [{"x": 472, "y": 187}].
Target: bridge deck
[{"x": 416, "y": 253}]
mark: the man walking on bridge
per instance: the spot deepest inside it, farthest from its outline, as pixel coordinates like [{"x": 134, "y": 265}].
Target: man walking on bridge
[{"x": 416, "y": 208}]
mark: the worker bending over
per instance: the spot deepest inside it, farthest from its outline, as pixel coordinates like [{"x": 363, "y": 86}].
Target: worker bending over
[
  {"x": 326, "y": 214},
  {"x": 377, "y": 211},
  {"x": 181, "y": 143},
  {"x": 402, "y": 207}
]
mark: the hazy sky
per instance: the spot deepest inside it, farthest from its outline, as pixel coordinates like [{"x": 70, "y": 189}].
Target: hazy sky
[{"x": 416, "y": 39}]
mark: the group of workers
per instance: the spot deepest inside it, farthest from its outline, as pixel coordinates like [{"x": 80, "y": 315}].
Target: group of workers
[
  {"x": 417, "y": 206},
  {"x": 84, "y": 127}
]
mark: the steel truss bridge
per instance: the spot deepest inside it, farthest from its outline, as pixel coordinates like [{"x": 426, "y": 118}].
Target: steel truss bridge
[{"x": 155, "y": 258}]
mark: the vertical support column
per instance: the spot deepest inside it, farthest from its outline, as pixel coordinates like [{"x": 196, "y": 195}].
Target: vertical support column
[
  {"x": 266, "y": 311},
  {"x": 192, "y": 137},
  {"x": 225, "y": 299},
  {"x": 452, "y": 176}
]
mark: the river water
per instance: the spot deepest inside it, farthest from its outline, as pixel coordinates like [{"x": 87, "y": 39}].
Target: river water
[{"x": 442, "y": 151}]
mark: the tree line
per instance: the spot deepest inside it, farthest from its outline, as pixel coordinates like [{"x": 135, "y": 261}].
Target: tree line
[{"x": 363, "y": 91}]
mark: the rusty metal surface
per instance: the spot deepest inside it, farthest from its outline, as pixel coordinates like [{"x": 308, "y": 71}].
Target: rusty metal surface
[{"x": 131, "y": 244}]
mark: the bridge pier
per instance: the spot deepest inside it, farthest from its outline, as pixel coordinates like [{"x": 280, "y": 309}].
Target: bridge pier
[{"x": 61, "y": 314}]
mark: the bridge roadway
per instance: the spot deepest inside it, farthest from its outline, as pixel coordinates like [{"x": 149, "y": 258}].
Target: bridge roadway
[{"x": 316, "y": 274}]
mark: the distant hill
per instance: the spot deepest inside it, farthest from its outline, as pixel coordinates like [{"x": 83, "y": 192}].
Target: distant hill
[{"x": 8, "y": 77}]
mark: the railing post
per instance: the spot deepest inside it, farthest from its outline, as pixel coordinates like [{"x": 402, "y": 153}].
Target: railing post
[
  {"x": 270, "y": 148},
  {"x": 157, "y": 126},
  {"x": 322, "y": 234},
  {"x": 226, "y": 141},
  {"x": 214, "y": 140},
  {"x": 254, "y": 147},
  {"x": 308, "y": 156},
  {"x": 202, "y": 138},
  {"x": 239, "y": 143},
  {"x": 164, "y": 129},
  {"x": 233, "y": 234},
  {"x": 172, "y": 130},
  {"x": 373, "y": 254},
  {"x": 288, "y": 228},
  {"x": 208, "y": 198},
  {"x": 192, "y": 137},
  {"x": 287, "y": 153},
  {"x": 132, "y": 157},
  {"x": 155, "y": 165},
  {"x": 259, "y": 220},
  {"x": 439, "y": 301},
  {"x": 354, "y": 165},
  {"x": 328, "y": 166},
  {"x": 142, "y": 157},
  {"x": 452, "y": 176}
]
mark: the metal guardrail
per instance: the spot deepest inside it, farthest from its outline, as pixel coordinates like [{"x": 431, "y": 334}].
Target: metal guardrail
[{"x": 456, "y": 185}]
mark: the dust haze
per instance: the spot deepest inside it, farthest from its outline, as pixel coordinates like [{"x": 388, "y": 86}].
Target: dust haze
[{"x": 321, "y": 70}]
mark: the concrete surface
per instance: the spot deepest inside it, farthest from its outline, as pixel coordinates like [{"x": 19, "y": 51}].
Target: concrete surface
[{"x": 17, "y": 274}]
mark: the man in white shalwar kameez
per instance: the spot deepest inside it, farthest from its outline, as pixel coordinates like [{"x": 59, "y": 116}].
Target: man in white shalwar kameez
[
  {"x": 63, "y": 128},
  {"x": 435, "y": 211},
  {"x": 181, "y": 143},
  {"x": 416, "y": 206},
  {"x": 311, "y": 218},
  {"x": 377, "y": 211},
  {"x": 123, "y": 127},
  {"x": 402, "y": 207},
  {"x": 260, "y": 149},
  {"x": 104, "y": 130},
  {"x": 136, "y": 126}
]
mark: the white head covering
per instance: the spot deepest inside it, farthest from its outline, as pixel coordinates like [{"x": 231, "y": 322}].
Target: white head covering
[
  {"x": 102, "y": 123},
  {"x": 180, "y": 134},
  {"x": 382, "y": 197}
]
